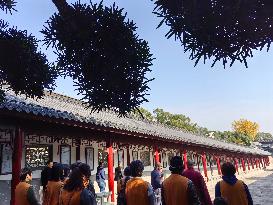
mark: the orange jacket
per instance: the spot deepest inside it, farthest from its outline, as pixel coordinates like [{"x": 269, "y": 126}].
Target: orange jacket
[
  {"x": 21, "y": 194},
  {"x": 53, "y": 192},
  {"x": 137, "y": 192}
]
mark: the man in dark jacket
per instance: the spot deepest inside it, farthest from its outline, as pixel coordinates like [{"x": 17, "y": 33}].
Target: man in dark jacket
[
  {"x": 45, "y": 174},
  {"x": 234, "y": 191},
  {"x": 199, "y": 183},
  {"x": 156, "y": 181},
  {"x": 100, "y": 177}
]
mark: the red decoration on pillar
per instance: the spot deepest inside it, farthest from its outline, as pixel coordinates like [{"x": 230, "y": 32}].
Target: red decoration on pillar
[
  {"x": 243, "y": 165},
  {"x": 16, "y": 162},
  {"x": 110, "y": 171},
  {"x": 185, "y": 159},
  {"x": 257, "y": 164},
  {"x": 156, "y": 155},
  {"x": 204, "y": 160},
  {"x": 218, "y": 166}
]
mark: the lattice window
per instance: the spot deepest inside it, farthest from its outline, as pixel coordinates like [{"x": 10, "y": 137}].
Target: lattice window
[
  {"x": 37, "y": 155},
  {"x": 102, "y": 157},
  {"x": 145, "y": 158}
]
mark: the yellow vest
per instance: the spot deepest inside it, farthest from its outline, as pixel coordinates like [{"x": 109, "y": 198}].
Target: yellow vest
[
  {"x": 137, "y": 192},
  {"x": 234, "y": 194},
  {"x": 175, "y": 189},
  {"x": 21, "y": 194},
  {"x": 53, "y": 192}
]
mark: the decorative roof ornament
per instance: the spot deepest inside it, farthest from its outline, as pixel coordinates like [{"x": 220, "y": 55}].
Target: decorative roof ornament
[{"x": 220, "y": 30}]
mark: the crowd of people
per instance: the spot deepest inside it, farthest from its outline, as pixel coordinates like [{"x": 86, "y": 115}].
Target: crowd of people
[{"x": 71, "y": 185}]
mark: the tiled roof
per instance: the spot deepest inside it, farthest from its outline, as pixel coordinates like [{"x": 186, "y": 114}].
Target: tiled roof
[{"x": 62, "y": 107}]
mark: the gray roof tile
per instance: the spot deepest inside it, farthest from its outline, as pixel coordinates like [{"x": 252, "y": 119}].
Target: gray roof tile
[{"x": 63, "y": 107}]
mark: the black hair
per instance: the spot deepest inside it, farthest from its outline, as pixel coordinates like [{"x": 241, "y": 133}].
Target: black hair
[
  {"x": 219, "y": 201},
  {"x": 127, "y": 171},
  {"x": 176, "y": 165},
  {"x": 56, "y": 172},
  {"x": 136, "y": 168},
  {"x": 48, "y": 162},
  {"x": 75, "y": 165},
  {"x": 75, "y": 181},
  {"x": 228, "y": 169},
  {"x": 100, "y": 163},
  {"x": 24, "y": 172}
]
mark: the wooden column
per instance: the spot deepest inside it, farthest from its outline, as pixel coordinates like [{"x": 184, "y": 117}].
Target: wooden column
[
  {"x": 252, "y": 164},
  {"x": 204, "y": 160},
  {"x": 243, "y": 165},
  {"x": 236, "y": 165},
  {"x": 16, "y": 162},
  {"x": 198, "y": 163},
  {"x": 156, "y": 155},
  {"x": 78, "y": 150},
  {"x": 110, "y": 170},
  {"x": 128, "y": 156},
  {"x": 256, "y": 161},
  {"x": 218, "y": 165},
  {"x": 185, "y": 159}
]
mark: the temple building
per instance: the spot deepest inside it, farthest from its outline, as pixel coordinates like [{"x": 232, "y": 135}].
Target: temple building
[{"x": 60, "y": 128}]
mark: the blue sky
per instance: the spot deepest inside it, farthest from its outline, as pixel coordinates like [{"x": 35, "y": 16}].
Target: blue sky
[{"x": 212, "y": 97}]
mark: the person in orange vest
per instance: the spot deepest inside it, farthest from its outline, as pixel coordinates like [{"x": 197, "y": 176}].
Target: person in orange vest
[
  {"x": 54, "y": 185},
  {"x": 24, "y": 193},
  {"x": 234, "y": 191},
  {"x": 137, "y": 190},
  {"x": 75, "y": 190},
  {"x": 177, "y": 189}
]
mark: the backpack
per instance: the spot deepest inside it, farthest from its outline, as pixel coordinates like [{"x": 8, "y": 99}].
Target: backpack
[{"x": 121, "y": 200}]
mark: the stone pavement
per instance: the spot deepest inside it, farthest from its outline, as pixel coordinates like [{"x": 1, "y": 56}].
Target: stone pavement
[{"x": 260, "y": 184}]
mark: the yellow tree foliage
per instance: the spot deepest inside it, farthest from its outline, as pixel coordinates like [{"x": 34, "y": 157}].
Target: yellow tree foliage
[{"x": 246, "y": 127}]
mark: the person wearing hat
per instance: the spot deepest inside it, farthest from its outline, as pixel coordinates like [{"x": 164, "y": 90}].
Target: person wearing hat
[
  {"x": 137, "y": 190},
  {"x": 199, "y": 183},
  {"x": 24, "y": 193},
  {"x": 177, "y": 189}
]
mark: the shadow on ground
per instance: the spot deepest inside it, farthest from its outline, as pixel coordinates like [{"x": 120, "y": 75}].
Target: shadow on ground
[{"x": 262, "y": 190}]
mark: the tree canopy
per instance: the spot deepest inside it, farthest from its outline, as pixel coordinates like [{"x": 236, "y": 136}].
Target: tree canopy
[
  {"x": 97, "y": 46},
  {"x": 220, "y": 30},
  {"x": 246, "y": 127}
]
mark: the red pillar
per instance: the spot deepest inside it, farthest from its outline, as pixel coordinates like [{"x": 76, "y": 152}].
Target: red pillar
[
  {"x": 243, "y": 165},
  {"x": 16, "y": 162},
  {"x": 252, "y": 165},
  {"x": 156, "y": 155},
  {"x": 204, "y": 160},
  {"x": 218, "y": 166},
  {"x": 110, "y": 171},
  {"x": 248, "y": 165},
  {"x": 185, "y": 159},
  {"x": 256, "y": 161}
]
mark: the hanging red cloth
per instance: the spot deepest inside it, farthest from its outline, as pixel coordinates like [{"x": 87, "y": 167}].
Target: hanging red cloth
[
  {"x": 243, "y": 165},
  {"x": 156, "y": 155},
  {"x": 110, "y": 172},
  {"x": 218, "y": 165},
  {"x": 204, "y": 160}
]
